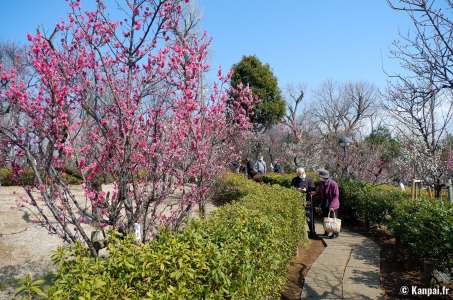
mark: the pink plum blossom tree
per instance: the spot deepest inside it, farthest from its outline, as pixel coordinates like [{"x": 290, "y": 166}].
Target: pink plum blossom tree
[{"x": 123, "y": 100}]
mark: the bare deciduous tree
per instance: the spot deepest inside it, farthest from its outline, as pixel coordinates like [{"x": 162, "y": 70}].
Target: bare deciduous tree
[
  {"x": 341, "y": 109},
  {"x": 425, "y": 119},
  {"x": 425, "y": 116},
  {"x": 421, "y": 98},
  {"x": 291, "y": 119},
  {"x": 428, "y": 53}
]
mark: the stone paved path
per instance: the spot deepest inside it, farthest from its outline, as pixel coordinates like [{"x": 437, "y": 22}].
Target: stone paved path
[{"x": 347, "y": 269}]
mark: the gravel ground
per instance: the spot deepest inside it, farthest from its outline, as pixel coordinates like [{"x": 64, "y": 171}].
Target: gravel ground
[{"x": 24, "y": 247}]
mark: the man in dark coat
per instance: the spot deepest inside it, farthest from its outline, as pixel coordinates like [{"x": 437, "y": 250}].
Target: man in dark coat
[
  {"x": 250, "y": 168},
  {"x": 304, "y": 184}
]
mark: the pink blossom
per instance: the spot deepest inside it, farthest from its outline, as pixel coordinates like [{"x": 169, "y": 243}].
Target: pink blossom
[
  {"x": 135, "y": 117},
  {"x": 137, "y": 25}
]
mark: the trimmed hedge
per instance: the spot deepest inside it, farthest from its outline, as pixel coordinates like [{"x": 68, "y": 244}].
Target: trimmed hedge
[
  {"x": 425, "y": 226},
  {"x": 241, "y": 252},
  {"x": 285, "y": 179},
  {"x": 27, "y": 178},
  {"x": 371, "y": 204},
  {"x": 361, "y": 201},
  {"x": 280, "y": 179},
  {"x": 7, "y": 178}
]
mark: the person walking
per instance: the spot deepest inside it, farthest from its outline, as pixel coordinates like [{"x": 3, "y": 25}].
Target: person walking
[
  {"x": 304, "y": 184},
  {"x": 278, "y": 168},
  {"x": 329, "y": 196},
  {"x": 243, "y": 166},
  {"x": 260, "y": 166},
  {"x": 250, "y": 169}
]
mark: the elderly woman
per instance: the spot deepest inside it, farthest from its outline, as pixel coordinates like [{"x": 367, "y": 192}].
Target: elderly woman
[{"x": 329, "y": 196}]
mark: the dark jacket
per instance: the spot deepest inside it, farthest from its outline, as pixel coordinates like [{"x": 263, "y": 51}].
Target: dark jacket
[
  {"x": 278, "y": 168},
  {"x": 250, "y": 169},
  {"x": 302, "y": 183}
]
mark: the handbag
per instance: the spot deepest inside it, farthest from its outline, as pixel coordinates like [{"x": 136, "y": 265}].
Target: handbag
[{"x": 332, "y": 224}]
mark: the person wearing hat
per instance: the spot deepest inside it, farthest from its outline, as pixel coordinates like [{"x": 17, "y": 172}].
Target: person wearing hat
[{"x": 329, "y": 196}]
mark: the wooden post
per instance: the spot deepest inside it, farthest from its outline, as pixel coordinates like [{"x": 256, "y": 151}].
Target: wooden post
[
  {"x": 416, "y": 189},
  {"x": 419, "y": 189},
  {"x": 450, "y": 190}
]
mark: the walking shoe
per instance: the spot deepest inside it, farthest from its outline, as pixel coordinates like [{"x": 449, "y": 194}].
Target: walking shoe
[{"x": 312, "y": 235}]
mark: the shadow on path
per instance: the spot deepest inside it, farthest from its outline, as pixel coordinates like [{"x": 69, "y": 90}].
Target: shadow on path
[{"x": 349, "y": 268}]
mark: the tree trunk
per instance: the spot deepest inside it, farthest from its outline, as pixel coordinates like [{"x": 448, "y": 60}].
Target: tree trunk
[
  {"x": 202, "y": 209},
  {"x": 437, "y": 189}
]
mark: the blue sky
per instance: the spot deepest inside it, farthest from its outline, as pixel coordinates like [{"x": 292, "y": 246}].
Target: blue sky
[{"x": 304, "y": 41}]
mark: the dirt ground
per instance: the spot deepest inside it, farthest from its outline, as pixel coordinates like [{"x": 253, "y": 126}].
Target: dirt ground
[
  {"x": 299, "y": 267},
  {"x": 24, "y": 247}
]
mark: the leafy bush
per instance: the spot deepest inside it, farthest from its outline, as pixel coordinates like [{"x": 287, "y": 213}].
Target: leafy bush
[
  {"x": 4, "y": 176},
  {"x": 7, "y": 177},
  {"x": 280, "y": 179},
  {"x": 71, "y": 179},
  {"x": 369, "y": 203},
  {"x": 358, "y": 200},
  {"x": 285, "y": 179},
  {"x": 27, "y": 177},
  {"x": 30, "y": 289},
  {"x": 228, "y": 189},
  {"x": 426, "y": 227},
  {"x": 241, "y": 252}
]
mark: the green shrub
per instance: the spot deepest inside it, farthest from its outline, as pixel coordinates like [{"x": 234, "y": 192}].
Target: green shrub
[
  {"x": 27, "y": 178},
  {"x": 358, "y": 200},
  {"x": 228, "y": 189},
  {"x": 70, "y": 179},
  {"x": 426, "y": 227},
  {"x": 285, "y": 179},
  {"x": 368, "y": 203},
  {"x": 352, "y": 196},
  {"x": 30, "y": 288},
  {"x": 7, "y": 177},
  {"x": 241, "y": 252},
  {"x": 280, "y": 179}
]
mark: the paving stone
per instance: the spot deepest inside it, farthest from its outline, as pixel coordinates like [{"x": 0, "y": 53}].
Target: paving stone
[
  {"x": 363, "y": 283},
  {"x": 334, "y": 257},
  {"x": 361, "y": 258},
  {"x": 347, "y": 269},
  {"x": 323, "y": 280}
]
